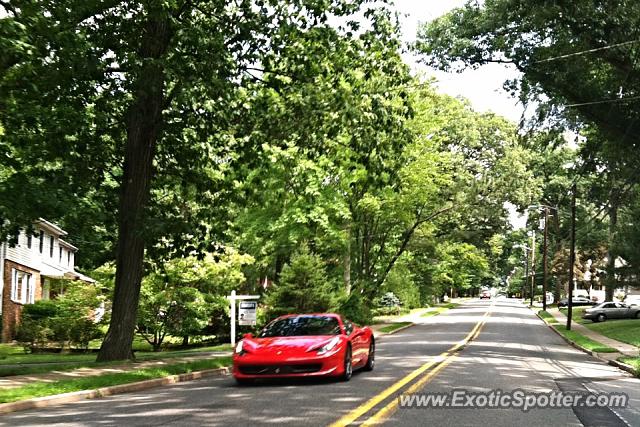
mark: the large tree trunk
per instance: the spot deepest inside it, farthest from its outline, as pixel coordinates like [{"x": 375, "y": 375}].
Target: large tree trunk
[{"x": 143, "y": 126}]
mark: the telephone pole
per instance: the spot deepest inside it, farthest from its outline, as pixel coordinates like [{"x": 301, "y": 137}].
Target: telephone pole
[
  {"x": 544, "y": 260},
  {"x": 572, "y": 255},
  {"x": 533, "y": 265}
]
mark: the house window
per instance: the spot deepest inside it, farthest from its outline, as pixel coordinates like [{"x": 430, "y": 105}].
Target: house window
[
  {"x": 22, "y": 287},
  {"x": 69, "y": 258},
  {"x": 29, "y": 240},
  {"x": 50, "y": 246},
  {"x": 41, "y": 241},
  {"x": 60, "y": 259}
]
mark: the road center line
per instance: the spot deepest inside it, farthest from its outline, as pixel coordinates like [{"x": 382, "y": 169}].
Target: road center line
[
  {"x": 384, "y": 413},
  {"x": 440, "y": 360}
]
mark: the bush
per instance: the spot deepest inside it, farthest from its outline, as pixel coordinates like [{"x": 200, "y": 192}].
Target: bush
[
  {"x": 66, "y": 320},
  {"x": 400, "y": 283},
  {"x": 393, "y": 310},
  {"x": 302, "y": 288},
  {"x": 33, "y": 334},
  {"x": 354, "y": 308}
]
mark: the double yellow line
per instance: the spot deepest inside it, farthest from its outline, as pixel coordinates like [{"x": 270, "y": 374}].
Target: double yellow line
[{"x": 439, "y": 363}]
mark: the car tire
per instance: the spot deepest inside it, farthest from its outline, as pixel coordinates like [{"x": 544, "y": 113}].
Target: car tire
[
  {"x": 601, "y": 317},
  {"x": 348, "y": 365},
  {"x": 371, "y": 359},
  {"x": 638, "y": 315},
  {"x": 243, "y": 382}
]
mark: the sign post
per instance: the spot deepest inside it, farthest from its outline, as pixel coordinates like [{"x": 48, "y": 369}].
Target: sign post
[{"x": 247, "y": 312}]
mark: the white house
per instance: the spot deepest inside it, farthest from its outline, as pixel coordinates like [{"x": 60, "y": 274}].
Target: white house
[{"x": 27, "y": 267}]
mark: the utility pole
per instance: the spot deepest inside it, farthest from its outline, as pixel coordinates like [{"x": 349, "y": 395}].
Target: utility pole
[
  {"x": 533, "y": 264},
  {"x": 526, "y": 275},
  {"x": 572, "y": 255},
  {"x": 544, "y": 260}
]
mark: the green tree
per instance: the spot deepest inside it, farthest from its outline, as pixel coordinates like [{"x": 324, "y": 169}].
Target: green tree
[
  {"x": 303, "y": 287},
  {"x": 180, "y": 296},
  {"x": 137, "y": 106}
]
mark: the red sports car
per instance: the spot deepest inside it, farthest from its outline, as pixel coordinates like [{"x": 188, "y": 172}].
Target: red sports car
[{"x": 304, "y": 345}]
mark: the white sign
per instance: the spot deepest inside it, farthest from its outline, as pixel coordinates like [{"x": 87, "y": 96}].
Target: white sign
[
  {"x": 247, "y": 313},
  {"x": 232, "y": 311}
]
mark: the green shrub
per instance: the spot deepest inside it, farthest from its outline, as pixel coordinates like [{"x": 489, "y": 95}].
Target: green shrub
[
  {"x": 33, "y": 333},
  {"x": 303, "y": 287},
  {"x": 400, "y": 283},
  {"x": 66, "y": 320},
  {"x": 355, "y": 308},
  {"x": 393, "y": 310}
]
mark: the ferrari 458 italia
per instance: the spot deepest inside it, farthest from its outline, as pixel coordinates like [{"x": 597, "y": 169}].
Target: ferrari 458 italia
[{"x": 304, "y": 345}]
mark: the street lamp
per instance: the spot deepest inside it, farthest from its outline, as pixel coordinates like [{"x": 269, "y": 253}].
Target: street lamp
[
  {"x": 526, "y": 249},
  {"x": 544, "y": 250}
]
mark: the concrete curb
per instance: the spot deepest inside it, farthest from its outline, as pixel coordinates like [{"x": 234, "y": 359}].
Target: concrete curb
[
  {"x": 58, "y": 399},
  {"x": 620, "y": 365},
  {"x": 382, "y": 334},
  {"x": 624, "y": 367}
]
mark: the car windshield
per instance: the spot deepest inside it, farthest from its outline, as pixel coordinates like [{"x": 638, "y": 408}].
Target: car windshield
[{"x": 301, "y": 326}]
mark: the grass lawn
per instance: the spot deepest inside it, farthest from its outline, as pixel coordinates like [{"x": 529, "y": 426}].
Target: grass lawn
[
  {"x": 583, "y": 341},
  {"x": 576, "y": 314},
  {"x": 40, "y": 389},
  {"x": 65, "y": 362},
  {"x": 548, "y": 317},
  {"x": 625, "y": 330},
  {"x": 633, "y": 361},
  {"x": 440, "y": 308},
  {"x": 392, "y": 327}
]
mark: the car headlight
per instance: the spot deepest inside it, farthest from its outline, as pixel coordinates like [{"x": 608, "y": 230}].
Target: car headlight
[
  {"x": 239, "y": 347},
  {"x": 329, "y": 346}
]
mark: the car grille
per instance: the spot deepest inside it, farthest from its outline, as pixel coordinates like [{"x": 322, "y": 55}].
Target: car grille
[{"x": 280, "y": 369}]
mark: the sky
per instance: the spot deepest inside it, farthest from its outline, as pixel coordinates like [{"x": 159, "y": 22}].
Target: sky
[{"x": 483, "y": 87}]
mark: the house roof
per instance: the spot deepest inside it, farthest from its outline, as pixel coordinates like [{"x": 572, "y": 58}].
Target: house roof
[
  {"x": 69, "y": 274},
  {"x": 67, "y": 245},
  {"x": 51, "y": 227}
]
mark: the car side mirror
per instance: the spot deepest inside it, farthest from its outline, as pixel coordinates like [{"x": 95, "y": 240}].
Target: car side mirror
[{"x": 249, "y": 335}]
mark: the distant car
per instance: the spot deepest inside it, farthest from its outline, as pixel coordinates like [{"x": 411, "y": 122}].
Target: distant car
[
  {"x": 611, "y": 310},
  {"x": 485, "y": 295},
  {"x": 576, "y": 301},
  {"x": 305, "y": 345}
]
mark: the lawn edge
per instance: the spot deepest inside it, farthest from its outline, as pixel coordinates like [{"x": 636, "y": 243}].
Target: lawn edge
[
  {"x": 628, "y": 368},
  {"x": 59, "y": 399},
  {"x": 382, "y": 334}
]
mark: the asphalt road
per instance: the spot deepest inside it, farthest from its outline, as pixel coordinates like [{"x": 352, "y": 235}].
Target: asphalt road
[{"x": 513, "y": 350}]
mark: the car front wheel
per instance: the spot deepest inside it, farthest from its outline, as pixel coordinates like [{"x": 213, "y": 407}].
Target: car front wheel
[
  {"x": 601, "y": 318},
  {"x": 371, "y": 359},
  {"x": 348, "y": 366}
]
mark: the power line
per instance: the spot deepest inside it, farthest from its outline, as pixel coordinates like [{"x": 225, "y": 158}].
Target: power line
[
  {"x": 603, "y": 101},
  {"x": 583, "y": 52}
]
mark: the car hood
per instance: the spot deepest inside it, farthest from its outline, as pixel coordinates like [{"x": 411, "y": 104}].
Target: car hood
[{"x": 286, "y": 344}]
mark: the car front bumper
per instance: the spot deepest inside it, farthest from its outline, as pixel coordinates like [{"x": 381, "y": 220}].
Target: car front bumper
[{"x": 253, "y": 366}]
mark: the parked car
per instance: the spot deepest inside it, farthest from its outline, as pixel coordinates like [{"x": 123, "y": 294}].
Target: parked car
[
  {"x": 485, "y": 295},
  {"x": 576, "y": 301},
  {"x": 305, "y": 345},
  {"x": 632, "y": 300},
  {"x": 611, "y": 310}
]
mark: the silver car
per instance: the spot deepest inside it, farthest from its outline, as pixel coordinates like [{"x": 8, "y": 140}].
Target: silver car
[{"x": 611, "y": 310}]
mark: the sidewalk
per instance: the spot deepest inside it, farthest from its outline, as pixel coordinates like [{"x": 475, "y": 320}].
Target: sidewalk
[
  {"x": 623, "y": 348},
  {"x": 20, "y": 380}
]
